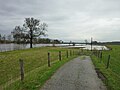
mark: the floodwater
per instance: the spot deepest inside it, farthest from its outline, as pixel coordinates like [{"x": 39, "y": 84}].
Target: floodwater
[
  {"x": 9, "y": 47},
  {"x": 88, "y": 47}
]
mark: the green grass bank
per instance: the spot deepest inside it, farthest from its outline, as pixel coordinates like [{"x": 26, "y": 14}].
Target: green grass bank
[
  {"x": 35, "y": 66},
  {"x": 113, "y": 72}
]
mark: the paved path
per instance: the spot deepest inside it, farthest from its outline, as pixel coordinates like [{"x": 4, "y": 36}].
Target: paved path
[{"x": 75, "y": 75}]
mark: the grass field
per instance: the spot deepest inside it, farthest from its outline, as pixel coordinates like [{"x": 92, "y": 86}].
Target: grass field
[
  {"x": 37, "y": 71},
  {"x": 113, "y": 72},
  {"x": 35, "y": 67}
]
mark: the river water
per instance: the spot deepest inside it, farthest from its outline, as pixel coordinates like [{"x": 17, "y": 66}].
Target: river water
[{"x": 9, "y": 47}]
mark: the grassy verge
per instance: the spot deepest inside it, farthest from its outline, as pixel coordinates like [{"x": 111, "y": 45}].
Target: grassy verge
[
  {"x": 37, "y": 78},
  {"x": 113, "y": 72},
  {"x": 35, "y": 65}
]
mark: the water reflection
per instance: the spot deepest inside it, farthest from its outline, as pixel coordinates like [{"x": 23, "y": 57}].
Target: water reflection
[{"x": 9, "y": 47}]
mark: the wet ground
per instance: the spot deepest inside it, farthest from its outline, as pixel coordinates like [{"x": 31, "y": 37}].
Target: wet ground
[{"x": 77, "y": 74}]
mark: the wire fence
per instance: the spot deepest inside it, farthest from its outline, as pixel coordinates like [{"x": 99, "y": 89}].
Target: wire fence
[
  {"x": 38, "y": 57},
  {"x": 111, "y": 64},
  {"x": 10, "y": 67}
]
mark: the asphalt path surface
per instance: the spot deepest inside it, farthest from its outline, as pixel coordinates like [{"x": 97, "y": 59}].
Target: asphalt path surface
[{"x": 76, "y": 74}]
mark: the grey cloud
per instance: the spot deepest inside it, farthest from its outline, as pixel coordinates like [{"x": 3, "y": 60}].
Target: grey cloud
[{"x": 67, "y": 19}]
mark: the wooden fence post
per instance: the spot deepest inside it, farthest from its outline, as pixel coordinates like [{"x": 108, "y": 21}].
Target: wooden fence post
[
  {"x": 60, "y": 55},
  {"x": 70, "y": 53},
  {"x": 108, "y": 62},
  {"x": 91, "y": 43},
  {"x": 48, "y": 59},
  {"x": 100, "y": 56},
  {"x": 78, "y": 52},
  {"x": 21, "y": 69},
  {"x": 67, "y": 53}
]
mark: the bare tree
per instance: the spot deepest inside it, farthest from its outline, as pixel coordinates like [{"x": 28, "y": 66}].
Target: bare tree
[
  {"x": 31, "y": 29},
  {"x": 9, "y": 38},
  {"x": 4, "y": 38},
  {"x": 34, "y": 28},
  {"x": 17, "y": 34}
]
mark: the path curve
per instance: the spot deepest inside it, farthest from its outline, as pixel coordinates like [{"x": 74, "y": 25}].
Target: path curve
[{"x": 75, "y": 75}]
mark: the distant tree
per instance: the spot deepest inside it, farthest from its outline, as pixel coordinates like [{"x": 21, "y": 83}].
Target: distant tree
[
  {"x": 17, "y": 34},
  {"x": 73, "y": 44},
  {"x": 86, "y": 41},
  {"x": 4, "y": 38},
  {"x": 0, "y": 37},
  {"x": 61, "y": 41},
  {"x": 34, "y": 28},
  {"x": 70, "y": 42},
  {"x": 9, "y": 38},
  {"x": 43, "y": 40},
  {"x": 56, "y": 41},
  {"x": 48, "y": 40},
  {"x": 95, "y": 42}
]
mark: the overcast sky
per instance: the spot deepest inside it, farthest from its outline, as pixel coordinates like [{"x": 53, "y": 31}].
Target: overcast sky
[{"x": 67, "y": 20}]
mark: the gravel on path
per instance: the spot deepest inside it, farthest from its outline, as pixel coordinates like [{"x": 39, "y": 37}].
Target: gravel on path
[{"x": 77, "y": 74}]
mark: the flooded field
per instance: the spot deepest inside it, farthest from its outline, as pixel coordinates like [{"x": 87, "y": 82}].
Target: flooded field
[{"x": 9, "y": 47}]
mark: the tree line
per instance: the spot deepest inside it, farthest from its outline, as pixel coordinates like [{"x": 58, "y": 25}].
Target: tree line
[
  {"x": 30, "y": 32},
  {"x": 6, "y": 38}
]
